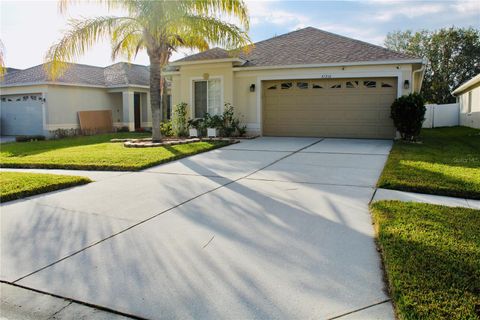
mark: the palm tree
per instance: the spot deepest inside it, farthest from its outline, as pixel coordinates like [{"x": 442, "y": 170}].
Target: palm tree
[
  {"x": 3, "y": 69},
  {"x": 160, "y": 27}
]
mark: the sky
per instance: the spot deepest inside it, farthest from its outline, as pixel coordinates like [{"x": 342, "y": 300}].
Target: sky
[{"x": 29, "y": 28}]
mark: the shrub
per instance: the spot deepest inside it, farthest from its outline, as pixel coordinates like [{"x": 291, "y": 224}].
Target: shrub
[
  {"x": 241, "y": 130},
  {"x": 179, "y": 120},
  {"x": 29, "y": 138},
  {"x": 408, "y": 114},
  {"x": 215, "y": 121},
  {"x": 199, "y": 124},
  {"x": 229, "y": 122},
  {"x": 166, "y": 128},
  {"x": 65, "y": 133},
  {"x": 123, "y": 129}
]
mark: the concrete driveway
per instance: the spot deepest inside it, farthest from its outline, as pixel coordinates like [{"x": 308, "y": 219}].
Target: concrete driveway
[{"x": 268, "y": 228}]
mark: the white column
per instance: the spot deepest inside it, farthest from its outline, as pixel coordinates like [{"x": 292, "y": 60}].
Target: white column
[{"x": 128, "y": 112}]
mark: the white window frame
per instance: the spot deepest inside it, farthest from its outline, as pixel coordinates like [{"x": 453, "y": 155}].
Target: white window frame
[{"x": 192, "y": 92}]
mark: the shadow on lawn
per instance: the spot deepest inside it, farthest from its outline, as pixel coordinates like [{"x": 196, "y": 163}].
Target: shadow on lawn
[
  {"x": 431, "y": 260},
  {"x": 22, "y": 149},
  {"x": 408, "y": 177}
]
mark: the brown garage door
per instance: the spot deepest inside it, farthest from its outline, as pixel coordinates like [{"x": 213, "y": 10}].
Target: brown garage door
[{"x": 350, "y": 108}]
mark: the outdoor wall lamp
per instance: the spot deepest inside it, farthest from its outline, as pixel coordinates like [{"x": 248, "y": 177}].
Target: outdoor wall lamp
[
  {"x": 406, "y": 84},
  {"x": 252, "y": 87}
]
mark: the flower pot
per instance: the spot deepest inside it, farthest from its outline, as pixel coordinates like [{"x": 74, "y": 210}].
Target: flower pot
[
  {"x": 212, "y": 132},
  {"x": 193, "y": 132}
]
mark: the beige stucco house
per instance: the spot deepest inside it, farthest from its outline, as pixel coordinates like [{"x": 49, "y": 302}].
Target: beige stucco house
[
  {"x": 31, "y": 104},
  {"x": 468, "y": 98},
  {"x": 305, "y": 83}
]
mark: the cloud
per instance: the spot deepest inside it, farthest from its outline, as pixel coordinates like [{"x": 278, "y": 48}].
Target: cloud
[
  {"x": 406, "y": 9},
  {"x": 265, "y": 12},
  {"x": 467, "y": 7},
  {"x": 371, "y": 35}
]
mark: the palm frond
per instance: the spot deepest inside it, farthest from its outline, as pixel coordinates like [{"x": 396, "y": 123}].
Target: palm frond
[
  {"x": 83, "y": 34},
  {"x": 129, "y": 5},
  {"x": 3, "y": 69},
  {"x": 219, "y": 8},
  {"x": 128, "y": 45},
  {"x": 188, "y": 41},
  {"x": 213, "y": 30}
]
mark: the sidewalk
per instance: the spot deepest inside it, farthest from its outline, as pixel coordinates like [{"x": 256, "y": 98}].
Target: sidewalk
[
  {"x": 91, "y": 174},
  {"x": 386, "y": 194},
  {"x": 24, "y": 304}
]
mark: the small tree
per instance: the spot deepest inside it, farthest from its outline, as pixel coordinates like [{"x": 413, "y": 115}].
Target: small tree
[
  {"x": 179, "y": 120},
  {"x": 408, "y": 114}
]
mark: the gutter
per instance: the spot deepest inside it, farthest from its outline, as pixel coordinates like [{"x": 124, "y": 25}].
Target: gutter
[
  {"x": 206, "y": 61},
  {"x": 466, "y": 85},
  {"x": 49, "y": 83},
  {"x": 422, "y": 70},
  {"x": 338, "y": 64}
]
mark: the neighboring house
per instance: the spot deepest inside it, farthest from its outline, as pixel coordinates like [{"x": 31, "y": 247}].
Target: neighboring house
[
  {"x": 31, "y": 104},
  {"x": 304, "y": 83},
  {"x": 468, "y": 98}
]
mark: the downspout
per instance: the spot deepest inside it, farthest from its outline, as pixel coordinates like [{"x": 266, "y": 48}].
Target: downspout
[{"x": 422, "y": 70}]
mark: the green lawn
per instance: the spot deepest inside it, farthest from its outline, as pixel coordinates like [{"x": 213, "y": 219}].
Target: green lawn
[
  {"x": 446, "y": 162},
  {"x": 431, "y": 256},
  {"x": 94, "y": 153},
  {"x": 16, "y": 185}
]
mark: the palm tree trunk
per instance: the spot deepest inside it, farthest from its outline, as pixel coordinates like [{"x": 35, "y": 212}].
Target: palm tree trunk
[{"x": 156, "y": 96}]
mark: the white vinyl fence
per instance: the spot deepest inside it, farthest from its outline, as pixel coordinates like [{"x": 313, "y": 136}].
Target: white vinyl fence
[{"x": 441, "y": 115}]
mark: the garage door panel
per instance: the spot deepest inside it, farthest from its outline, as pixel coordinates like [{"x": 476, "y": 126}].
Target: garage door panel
[
  {"x": 22, "y": 115},
  {"x": 361, "y": 111}
]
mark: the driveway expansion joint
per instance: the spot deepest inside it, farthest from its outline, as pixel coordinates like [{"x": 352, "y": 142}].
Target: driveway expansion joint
[
  {"x": 312, "y": 183},
  {"x": 72, "y": 301},
  {"x": 347, "y": 153},
  {"x": 359, "y": 309},
  {"x": 60, "y": 310}
]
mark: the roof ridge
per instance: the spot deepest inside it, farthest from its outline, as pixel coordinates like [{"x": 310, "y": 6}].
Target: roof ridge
[
  {"x": 128, "y": 63},
  {"x": 284, "y": 34},
  {"x": 360, "y": 41}
]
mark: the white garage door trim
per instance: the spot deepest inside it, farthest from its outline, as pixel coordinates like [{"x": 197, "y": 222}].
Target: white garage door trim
[{"x": 321, "y": 75}]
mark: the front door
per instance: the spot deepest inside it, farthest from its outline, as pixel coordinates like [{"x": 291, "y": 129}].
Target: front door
[{"x": 136, "y": 110}]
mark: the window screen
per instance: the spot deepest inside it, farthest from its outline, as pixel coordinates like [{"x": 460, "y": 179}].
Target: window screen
[{"x": 200, "y": 96}]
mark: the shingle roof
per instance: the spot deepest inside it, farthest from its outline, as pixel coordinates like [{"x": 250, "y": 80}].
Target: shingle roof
[
  {"x": 214, "y": 53},
  {"x": 307, "y": 46},
  {"x": 115, "y": 75},
  {"x": 11, "y": 70}
]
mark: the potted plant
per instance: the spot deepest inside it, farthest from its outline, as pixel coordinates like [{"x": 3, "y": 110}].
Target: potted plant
[
  {"x": 213, "y": 123},
  {"x": 194, "y": 127}
]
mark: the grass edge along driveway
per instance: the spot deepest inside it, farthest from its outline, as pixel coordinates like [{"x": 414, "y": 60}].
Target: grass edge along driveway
[
  {"x": 95, "y": 153},
  {"x": 17, "y": 185},
  {"x": 431, "y": 256},
  {"x": 445, "y": 162}
]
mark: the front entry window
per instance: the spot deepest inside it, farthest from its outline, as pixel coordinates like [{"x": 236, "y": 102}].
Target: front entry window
[{"x": 207, "y": 97}]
